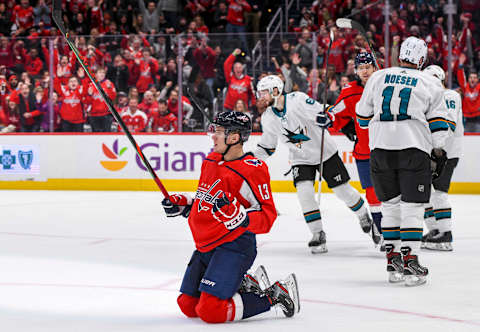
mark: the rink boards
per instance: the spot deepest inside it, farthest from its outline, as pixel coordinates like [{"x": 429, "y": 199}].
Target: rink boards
[{"x": 109, "y": 162}]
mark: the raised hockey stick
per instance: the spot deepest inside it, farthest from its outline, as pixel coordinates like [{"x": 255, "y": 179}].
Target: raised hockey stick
[
  {"x": 351, "y": 24},
  {"x": 322, "y": 142},
  {"x": 57, "y": 18},
  {"x": 197, "y": 105}
]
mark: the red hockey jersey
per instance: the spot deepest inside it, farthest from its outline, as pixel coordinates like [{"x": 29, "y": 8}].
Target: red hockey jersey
[
  {"x": 135, "y": 122},
  {"x": 248, "y": 180},
  {"x": 238, "y": 88},
  {"x": 344, "y": 111},
  {"x": 97, "y": 106}
]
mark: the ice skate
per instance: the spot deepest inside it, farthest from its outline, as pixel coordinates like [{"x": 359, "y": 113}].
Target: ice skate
[
  {"x": 365, "y": 222},
  {"x": 414, "y": 273},
  {"x": 427, "y": 236},
  {"x": 394, "y": 265},
  {"x": 285, "y": 295},
  {"x": 318, "y": 243},
  {"x": 440, "y": 242},
  {"x": 376, "y": 236},
  {"x": 256, "y": 282}
]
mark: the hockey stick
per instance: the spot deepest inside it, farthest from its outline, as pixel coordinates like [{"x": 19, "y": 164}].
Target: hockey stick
[
  {"x": 57, "y": 18},
  {"x": 322, "y": 142},
  {"x": 197, "y": 105},
  {"x": 351, "y": 24}
]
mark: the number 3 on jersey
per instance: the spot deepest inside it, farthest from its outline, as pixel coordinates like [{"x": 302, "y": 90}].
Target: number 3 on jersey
[{"x": 387, "y": 95}]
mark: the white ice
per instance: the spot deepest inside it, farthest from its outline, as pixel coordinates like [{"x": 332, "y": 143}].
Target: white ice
[{"x": 110, "y": 261}]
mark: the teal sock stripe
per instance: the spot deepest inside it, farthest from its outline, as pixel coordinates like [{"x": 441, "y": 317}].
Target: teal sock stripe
[
  {"x": 443, "y": 215},
  {"x": 391, "y": 235},
  {"x": 428, "y": 214},
  {"x": 411, "y": 235},
  {"x": 358, "y": 205},
  {"x": 312, "y": 216}
]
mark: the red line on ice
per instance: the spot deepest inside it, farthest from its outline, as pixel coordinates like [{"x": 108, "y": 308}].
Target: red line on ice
[{"x": 395, "y": 311}]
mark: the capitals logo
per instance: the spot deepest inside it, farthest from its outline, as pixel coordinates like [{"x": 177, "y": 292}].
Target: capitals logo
[
  {"x": 253, "y": 162},
  {"x": 204, "y": 195}
]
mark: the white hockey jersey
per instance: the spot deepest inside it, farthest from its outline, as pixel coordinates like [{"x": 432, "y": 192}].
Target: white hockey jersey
[
  {"x": 404, "y": 108},
  {"x": 453, "y": 101},
  {"x": 295, "y": 126}
]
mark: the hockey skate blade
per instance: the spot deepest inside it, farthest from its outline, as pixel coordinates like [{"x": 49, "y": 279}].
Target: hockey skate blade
[
  {"x": 321, "y": 249},
  {"x": 395, "y": 277},
  {"x": 262, "y": 277},
  {"x": 412, "y": 281},
  {"x": 292, "y": 287},
  {"x": 446, "y": 246}
]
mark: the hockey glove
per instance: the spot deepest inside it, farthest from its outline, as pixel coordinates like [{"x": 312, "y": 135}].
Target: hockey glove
[
  {"x": 176, "y": 205},
  {"x": 349, "y": 131},
  {"x": 324, "y": 120},
  {"x": 230, "y": 212},
  {"x": 438, "y": 159}
]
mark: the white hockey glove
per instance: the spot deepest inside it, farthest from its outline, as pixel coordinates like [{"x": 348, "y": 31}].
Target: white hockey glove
[
  {"x": 230, "y": 212},
  {"x": 176, "y": 205}
]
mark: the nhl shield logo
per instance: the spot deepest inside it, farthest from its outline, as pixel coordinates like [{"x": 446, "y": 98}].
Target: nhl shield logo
[{"x": 25, "y": 158}]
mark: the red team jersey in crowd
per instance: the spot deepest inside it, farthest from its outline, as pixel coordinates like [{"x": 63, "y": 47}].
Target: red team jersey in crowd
[
  {"x": 236, "y": 9},
  {"x": 164, "y": 123},
  {"x": 23, "y": 17},
  {"x": 238, "y": 88},
  {"x": 471, "y": 97},
  {"x": 72, "y": 108},
  {"x": 135, "y": 122},
  {"x": 344, "y": 111},
  {"x": 95, "y": 101},
  {"x": 248, "y": 180}
]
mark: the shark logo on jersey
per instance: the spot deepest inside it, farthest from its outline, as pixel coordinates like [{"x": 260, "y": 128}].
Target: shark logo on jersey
[
  {"x": 296, "y": 137},
  {"x": 253, "y": 162},
  {"x": 203, "y": 195}
]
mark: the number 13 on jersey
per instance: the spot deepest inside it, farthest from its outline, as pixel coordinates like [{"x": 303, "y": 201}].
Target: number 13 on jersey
[{"x": 389, "y": 93}]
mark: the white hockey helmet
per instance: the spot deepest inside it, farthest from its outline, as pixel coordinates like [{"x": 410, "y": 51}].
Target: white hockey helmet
[
  {"x": 413, "y": 50},
  {"x": 269, "y": 83},
  {"x": 435, "y": 71}
]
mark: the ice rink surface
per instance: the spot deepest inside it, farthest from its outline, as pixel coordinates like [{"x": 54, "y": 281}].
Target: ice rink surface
[{"x": 110, "y": 261}]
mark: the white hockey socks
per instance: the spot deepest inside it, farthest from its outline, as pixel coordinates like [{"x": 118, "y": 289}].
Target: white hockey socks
[
  {"x": 442, "y": 211},
  {"x": 411, "y": 228},
  {"x": 351, "y": 198},
  {"x": 311, "y": 211},
  {"x": 391, "y": 223}
]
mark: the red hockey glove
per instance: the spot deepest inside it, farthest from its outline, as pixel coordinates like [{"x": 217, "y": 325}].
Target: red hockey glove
[
  {"x": 230, "y": 212},
  {"x": 177, "y": 204}
]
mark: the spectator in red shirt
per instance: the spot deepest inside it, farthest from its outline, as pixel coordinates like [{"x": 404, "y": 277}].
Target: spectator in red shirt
[
  {"x": 134, "y": 119},
  {"x": 164, "y": 120},
  {"x": 22, "y": 16},
  {"x": 13, "y": 117},
  {"x": 236, "y": 20},
  {"x": 149, "y": 105},
  {"x": 239, "y": 85},
  {"x": 30, "y": 115},
  {"x": 34, "y": 64},
  {"x": 99, "y": 116},
  {"x": 72, "y": 104},
  {"x": 6, "y": 54},
  {"x": 64, "y": 69},
  {"x": 471, "y": 97},
  {"x": 148, "y": 67},
  {"x": 206, "y": 59}
]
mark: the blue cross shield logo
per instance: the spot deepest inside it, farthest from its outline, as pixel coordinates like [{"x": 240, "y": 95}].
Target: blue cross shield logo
[
  {"x": 25, "y": 158},
  {"x": 7, "y": 160}
]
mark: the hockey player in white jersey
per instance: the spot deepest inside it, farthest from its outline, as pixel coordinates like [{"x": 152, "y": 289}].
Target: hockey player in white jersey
[
  {"x": 292, "y": 119},
  {"x": 407, "y": 119},
  {"x": 438, "y": 213}
]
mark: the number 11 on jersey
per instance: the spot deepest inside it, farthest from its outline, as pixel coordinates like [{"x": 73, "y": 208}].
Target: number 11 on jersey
[{"x": 387, "y": 95}]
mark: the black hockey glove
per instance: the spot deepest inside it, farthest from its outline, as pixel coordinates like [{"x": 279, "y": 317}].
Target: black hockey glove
[
  {"x": 324, "y": 120},
  {"x": 177, "y": 205},
  {"x": 438, "y": 159},
  {"x": 349, "y": 131}
]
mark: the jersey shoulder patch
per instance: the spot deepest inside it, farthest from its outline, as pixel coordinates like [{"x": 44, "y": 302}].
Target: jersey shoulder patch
[{"x": 253, "y": 162}]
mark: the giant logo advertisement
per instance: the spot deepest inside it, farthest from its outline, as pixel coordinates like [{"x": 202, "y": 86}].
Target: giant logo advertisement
[{"x": 19, "y": 159}]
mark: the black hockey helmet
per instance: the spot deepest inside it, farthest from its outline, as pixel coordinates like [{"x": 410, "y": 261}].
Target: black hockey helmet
[
  {"x": 234, "y": 121},
  {"x": 364, "y": 58}
]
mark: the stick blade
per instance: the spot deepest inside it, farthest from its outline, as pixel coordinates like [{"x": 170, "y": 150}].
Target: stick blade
[
  {"x": 57, "y": 14},
  {"x": 344, "y": 23}
]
